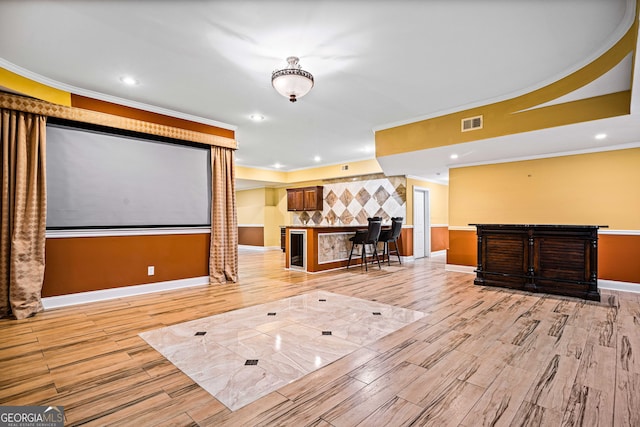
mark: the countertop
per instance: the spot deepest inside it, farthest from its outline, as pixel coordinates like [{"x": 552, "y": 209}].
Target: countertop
[{"x": 324, "y": 226}]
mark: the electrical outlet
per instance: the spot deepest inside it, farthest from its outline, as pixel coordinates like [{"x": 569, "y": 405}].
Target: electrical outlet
[{"x": 151, "y": 270}]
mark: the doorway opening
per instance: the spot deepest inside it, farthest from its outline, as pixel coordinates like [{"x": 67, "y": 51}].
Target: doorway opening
[{"x": 421, "y": 223}]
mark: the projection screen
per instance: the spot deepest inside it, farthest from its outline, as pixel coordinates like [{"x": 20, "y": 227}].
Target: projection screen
[{"x": 100, "y": 180}]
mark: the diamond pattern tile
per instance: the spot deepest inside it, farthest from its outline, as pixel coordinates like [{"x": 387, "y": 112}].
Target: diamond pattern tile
[
  {"x": 346, "y": 217},
  {"x": 331, "y": 198},
  {"x": 382, "y": 214},
  {"x": 352, "y": 202},
  {"x": 304, "y": 217},
  {"x": 400, "y": 194},
  {"x": 363, "y": 197},
  {"x": 346, "y": 197},
  {"x": 331, "y": 217},
  {"x": 381, "y": 195},
  {"x": 361, "y": 217}
]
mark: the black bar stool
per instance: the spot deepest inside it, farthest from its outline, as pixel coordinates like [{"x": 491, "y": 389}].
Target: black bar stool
[
  {"x": 367, "y": 237},
  {"x": 391, "y": 235}
]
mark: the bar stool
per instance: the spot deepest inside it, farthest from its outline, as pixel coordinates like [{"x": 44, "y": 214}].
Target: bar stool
[
  {"x": 391, "y": 235},
  {"x": 367, "y": 237}
]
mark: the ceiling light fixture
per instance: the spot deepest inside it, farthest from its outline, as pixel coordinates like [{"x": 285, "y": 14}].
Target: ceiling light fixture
[
  {"x": 256, "y": 117},
  {"x": 453, "y": 156},
  {"x": 292, "y": 82},
  {"x": 601, "y": 136},
  {"x": 317, "y": 159},
  {"x": 128, "y": 80}
]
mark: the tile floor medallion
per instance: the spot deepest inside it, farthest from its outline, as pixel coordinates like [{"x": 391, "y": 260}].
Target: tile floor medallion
[{"x": 242, "y": 355}]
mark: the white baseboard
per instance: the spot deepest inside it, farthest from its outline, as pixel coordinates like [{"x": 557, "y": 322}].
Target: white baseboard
[
  {"x": 460, "y": 268},
  {"x": 251, "y": 248},
  {"x": 125, "y": 291},
  {"x": 259, "y": 248},
  {"x": 439, "y": 253},
  {"x": 613, "y": 285}
]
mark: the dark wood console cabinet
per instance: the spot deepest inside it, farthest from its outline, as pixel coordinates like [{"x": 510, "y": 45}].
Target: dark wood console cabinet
[{"x": 555, "y": 259}]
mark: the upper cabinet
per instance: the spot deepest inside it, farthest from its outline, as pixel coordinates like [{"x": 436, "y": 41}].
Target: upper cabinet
[
  {"x": 295, "y": 199},
  {"x": 304, "y": 199}
]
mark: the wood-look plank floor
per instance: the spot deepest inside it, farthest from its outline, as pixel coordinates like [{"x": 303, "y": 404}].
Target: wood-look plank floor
[{"x": 481, "y": 356}]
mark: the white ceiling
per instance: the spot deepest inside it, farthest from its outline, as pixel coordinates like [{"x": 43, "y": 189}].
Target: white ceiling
[{"x": 375, "y": 64}]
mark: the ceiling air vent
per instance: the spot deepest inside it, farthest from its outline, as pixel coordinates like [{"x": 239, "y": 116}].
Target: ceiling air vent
[{"x": 471, "y": 123}]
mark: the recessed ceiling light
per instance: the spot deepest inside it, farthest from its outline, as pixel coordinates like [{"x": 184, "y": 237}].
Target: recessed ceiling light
[
  {"x": 277, "y": 166},
  {"x": 453, "y": 156},
  {"x": 601, "y": 136},
  {"x": 129, "y": 81},
  {"x": 316, "y": 158},
  {"x": 368, "y": 149},
  {"x": 256, "y": 117}
]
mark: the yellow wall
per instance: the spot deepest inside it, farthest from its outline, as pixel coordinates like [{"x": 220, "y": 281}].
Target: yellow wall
[
  {"x": 594, "y": 189},
  {"x": 281, "y": 207},
  {"x": 273, "y": 217},
  {"x": 262, "y": 206},
  {"x": 16, "y": 83},
  {"x": 362, "y": 167},
  {"x": 305, "y": 176},
  {"x": 250, "y": 206},
  {"x": 438, "y": 201},
  {"x": 243, "y": 172}
]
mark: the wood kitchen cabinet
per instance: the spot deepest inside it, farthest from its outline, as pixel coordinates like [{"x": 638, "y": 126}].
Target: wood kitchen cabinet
[
  {"x": 295, "y": 199},
  {"x": 304, "y": 199}
]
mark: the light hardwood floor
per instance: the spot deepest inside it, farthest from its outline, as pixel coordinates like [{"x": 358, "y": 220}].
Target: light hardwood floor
[{"x": 480, "y": 356}]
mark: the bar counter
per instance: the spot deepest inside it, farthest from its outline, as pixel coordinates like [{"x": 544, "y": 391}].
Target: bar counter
[{"x": 317, "y": 248}]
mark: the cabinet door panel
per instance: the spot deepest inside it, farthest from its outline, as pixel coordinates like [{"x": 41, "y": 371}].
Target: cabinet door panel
[
  {"x": 295, "y": 200},
  {"x": 310, "y": 199}
]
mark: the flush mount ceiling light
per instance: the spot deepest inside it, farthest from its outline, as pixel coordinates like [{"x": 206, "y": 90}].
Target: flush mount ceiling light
[
  {"x": 292, "y": 82},
  {"x": 601, "y": 136}
]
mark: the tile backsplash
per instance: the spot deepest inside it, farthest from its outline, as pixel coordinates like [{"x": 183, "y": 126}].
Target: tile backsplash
[{"x": 352, "y": 202}]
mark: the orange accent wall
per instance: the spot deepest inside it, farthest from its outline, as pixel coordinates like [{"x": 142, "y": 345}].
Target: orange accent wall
[
  {"x": 463, "y": 248},
  {"x": 439, "y": 238},
  {"x": 406, "y": 242},
  {"x": 147, "y": 116},
  {"x": 251, "y": 236},
  {"x": 619, "y": 257},
  {"x": 83, "y": 264}
]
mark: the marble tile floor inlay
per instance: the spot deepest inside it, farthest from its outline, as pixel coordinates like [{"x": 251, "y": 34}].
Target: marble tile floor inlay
[{"x": 242, "y": 355}]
